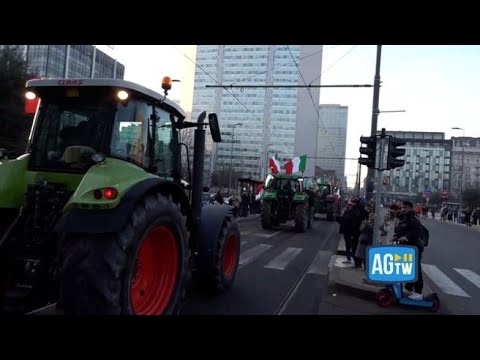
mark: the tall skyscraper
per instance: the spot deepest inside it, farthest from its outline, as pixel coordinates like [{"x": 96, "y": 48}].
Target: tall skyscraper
[
  {"x": 332, "y": 139},
  {"x": 71, "y": 61},
  {"x": 259, "y": 122}
]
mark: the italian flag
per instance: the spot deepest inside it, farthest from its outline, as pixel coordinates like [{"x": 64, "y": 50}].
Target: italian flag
[
  {"x": 296, "y": 164},
  {"x": 274, "y": 164}
]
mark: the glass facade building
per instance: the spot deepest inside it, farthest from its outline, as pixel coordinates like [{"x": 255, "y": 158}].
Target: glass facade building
[
  {"x": 332, "y": 139},
  {"x": 469, "y": 149},
  {"x": 71, "y": 61},
  {"x": 267, "y": 115},
  {"x": 427, "y": 165}
]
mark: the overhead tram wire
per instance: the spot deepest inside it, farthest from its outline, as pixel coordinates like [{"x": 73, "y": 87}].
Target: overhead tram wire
[
  {"x": 220, "y": 85},
  {"x": 313, "y": 103}
]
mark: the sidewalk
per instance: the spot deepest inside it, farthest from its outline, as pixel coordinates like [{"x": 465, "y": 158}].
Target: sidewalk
[{"x": 354, "y": 280}]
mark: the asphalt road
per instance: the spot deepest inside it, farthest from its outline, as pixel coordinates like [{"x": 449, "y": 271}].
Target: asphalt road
[
  {"x": 281, "y": 272},
  {"x": 451, "y": 265}
]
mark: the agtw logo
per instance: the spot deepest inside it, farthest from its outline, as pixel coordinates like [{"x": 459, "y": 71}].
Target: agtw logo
[{"x": 392, "y": 264}]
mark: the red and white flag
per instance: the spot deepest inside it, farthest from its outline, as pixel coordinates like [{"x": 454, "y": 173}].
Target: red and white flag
[{"x": 274, "y": 164}]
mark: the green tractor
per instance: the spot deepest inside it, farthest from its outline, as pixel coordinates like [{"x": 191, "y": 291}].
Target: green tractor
[
  {"x": 325, "y": 199},
  {"x": 284, "y": 199},
  {"x": 95, "y": 218}
]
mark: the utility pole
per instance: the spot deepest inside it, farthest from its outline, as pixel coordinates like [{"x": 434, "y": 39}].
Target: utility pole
[
  {"x": 231, "y": 157},
  {"x": 375, "y": 112},
  {"x": 378, "y": 185}
]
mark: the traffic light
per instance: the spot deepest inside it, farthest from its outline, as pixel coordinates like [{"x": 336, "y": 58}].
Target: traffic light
[
  {"x": 370, "y": 150},
  {"x": 394, "y": 152}
]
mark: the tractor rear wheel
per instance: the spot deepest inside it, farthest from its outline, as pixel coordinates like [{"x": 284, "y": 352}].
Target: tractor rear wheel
[
  {"x": 141, "y": 270},
  {"x": 266, "y": 216},
  {"x": 301, "y": 217}
]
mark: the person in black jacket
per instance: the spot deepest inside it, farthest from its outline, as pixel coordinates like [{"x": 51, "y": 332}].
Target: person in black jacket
[
  {"x": 409, "y": 232},
  {"x": 347, "y": 228}
]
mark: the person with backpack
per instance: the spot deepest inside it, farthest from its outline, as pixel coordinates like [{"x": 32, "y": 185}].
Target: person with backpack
[{"x": 410, "y": 231}]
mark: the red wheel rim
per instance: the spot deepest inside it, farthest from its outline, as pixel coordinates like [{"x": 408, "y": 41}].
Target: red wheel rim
[
  {"x": 230, "y": 255},
  {"x": 156, "y": 272}
]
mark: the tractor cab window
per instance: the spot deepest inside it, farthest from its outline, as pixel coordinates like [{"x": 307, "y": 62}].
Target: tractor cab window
[
  {"x": 130, "y": 132},
  {"x": 68, "y": 133},
  {"x": 164, "y": 143}
]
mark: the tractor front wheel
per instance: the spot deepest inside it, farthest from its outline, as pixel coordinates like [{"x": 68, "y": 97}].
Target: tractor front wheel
[
  {"x": 140, "y": 271},
  {"x": 301, "y": 217},
  {"x": 221, "y": 276}
]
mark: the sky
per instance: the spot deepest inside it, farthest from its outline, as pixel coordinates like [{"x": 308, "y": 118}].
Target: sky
[{"x": 436, "y": 85}]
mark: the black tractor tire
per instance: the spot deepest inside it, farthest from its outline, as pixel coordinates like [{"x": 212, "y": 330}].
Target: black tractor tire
[
  {"x": 301, "y": 217},
  {"x": 102, "y": 273},
  {"x": 266, "y": 217},
  {"x": 221, "y": 276}
]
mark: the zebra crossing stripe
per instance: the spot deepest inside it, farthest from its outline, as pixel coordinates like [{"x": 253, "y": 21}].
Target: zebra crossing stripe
[
  {"x": 443, "y": 281},
  {"x": 470, "y": 276},
  {"x": 251, "y": 254},
  {"x": 281, "y": 261}
]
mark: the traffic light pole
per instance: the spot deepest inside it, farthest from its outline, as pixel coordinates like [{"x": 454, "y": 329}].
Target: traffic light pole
[
  {"x": 375, "y": 112},
  {"x": 378, "y": 186}
]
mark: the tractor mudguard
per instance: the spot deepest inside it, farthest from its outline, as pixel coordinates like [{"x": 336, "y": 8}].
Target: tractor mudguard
[
  {"x": 211, "y": 222},
  {"x": 92, "y": 221}
]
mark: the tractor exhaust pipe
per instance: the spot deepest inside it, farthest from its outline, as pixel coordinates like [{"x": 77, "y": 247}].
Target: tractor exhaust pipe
[{"x": 198, "y": 164}]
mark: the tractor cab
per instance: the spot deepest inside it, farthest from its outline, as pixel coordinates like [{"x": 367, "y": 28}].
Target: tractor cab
[{"x": 79, "y": 122}]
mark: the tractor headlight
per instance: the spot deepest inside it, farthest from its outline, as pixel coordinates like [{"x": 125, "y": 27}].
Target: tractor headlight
[
  {"x": 30, "y": 95},
  {"x": 122, "y": 95}
]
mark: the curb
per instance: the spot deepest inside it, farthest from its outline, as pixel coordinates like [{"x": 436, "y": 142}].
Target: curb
[{"x": 352, "y": 280}]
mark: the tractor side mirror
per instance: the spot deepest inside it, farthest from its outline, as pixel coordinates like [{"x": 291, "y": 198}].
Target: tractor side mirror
[{"x": 214, "y": 128}]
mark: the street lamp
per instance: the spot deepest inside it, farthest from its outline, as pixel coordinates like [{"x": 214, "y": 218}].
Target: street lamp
[
  {"x": 461, "y": 174},
  {"x": 265, "y": 164},
  {"x": 231, "y": 157}
]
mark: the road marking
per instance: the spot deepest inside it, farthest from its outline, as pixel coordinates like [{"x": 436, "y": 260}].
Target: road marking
[
  {"x": 245, "y": 233},
  {"x": 443, "y": 281},
  {"x": 267, "y": 235},
  {"x": 281, "y": 261},
  {"x": 469, "y": 275},
  {"x": 320, "y": 263},
  {"x": 243, "y": 242},
  {"x": 251, "y": 254},
  {"x": 293, "y": 290}
]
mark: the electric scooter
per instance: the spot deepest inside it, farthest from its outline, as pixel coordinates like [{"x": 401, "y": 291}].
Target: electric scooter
[{"x": 393, "y": 293}]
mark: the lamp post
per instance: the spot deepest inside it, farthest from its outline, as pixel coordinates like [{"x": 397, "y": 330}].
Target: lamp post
[
  {"x": 231, "y": 157},
  {"x": 463, "y": 169},
  {"x": 265, "y": 163}
]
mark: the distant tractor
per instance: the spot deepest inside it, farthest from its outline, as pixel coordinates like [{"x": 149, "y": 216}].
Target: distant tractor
[
  {"x": 95, "y": 218},
  {"x": 284, "y": 199},
  {"x": 325, "y": 199}
]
